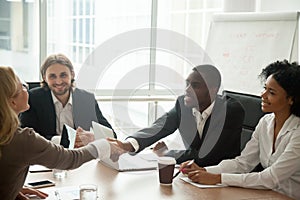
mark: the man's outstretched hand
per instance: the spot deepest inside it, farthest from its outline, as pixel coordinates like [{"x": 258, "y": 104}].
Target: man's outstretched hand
[
  {"x": 160, "y": 148},
  {"x": 83, "y": 137},
  {"x": 118, "y": 148}
]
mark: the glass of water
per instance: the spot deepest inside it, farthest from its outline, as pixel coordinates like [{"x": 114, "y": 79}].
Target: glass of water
[
  {"x": 88, "y": 192},
  {"x": 59, "y": 173}
]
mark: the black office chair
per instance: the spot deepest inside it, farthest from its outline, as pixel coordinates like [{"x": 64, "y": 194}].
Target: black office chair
[
  {"x": 253, "y": 112},
  {"x": 33, "y": 84}
]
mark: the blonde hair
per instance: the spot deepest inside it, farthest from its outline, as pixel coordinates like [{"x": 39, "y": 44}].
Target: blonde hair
[{"x": 9, "y": 121}]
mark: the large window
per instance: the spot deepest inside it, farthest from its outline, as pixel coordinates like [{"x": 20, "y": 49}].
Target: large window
[
  {"x": 19, "y": 37},
  {"x": 79, "y": 28},
  {"x": 141, "y": 72},
  {"x": 71, "y": 29}
]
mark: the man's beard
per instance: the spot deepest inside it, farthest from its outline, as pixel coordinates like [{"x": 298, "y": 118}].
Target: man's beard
[{"x": 59, "y": 93}]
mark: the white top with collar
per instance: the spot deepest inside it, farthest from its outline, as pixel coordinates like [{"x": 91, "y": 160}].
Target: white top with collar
[
  {"x": 282, "y": 168},
  {"x": 64, "y": 115}
]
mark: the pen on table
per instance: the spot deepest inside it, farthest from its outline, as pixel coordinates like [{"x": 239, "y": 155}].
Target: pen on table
[
  {"x": 177, "y": 173},
  {"x": 189, "y": 164},
  {"x": 57, "y": 195}
]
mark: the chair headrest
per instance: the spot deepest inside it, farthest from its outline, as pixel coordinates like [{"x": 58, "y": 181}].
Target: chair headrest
[{"x": 251, "y": 105}]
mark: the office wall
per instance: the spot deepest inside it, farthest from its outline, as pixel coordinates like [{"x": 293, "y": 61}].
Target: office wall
[
  {"x": 278, "y": 5},
  {"x": 260, "y": 5}
]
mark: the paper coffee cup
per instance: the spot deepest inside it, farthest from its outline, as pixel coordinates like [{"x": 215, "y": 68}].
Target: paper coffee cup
[{"x": 166, "y": 169}]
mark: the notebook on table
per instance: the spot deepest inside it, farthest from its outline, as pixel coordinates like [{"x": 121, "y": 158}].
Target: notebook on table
[{"x": 128, "y": 162}]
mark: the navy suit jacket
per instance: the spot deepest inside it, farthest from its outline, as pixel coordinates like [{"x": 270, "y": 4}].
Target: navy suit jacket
[
  {"x": 42, "y": 118},
  {"x": 220, "y": 139}
]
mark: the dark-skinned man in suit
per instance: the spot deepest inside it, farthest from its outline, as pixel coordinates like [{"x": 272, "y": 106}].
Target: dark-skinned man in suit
[{"x": 209, "y": 124}]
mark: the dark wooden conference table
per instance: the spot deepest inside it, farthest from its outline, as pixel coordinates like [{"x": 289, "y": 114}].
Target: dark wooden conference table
[{"x": 144, "y": 185}]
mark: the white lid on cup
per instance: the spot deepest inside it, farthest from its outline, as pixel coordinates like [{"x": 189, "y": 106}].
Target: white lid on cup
[{"x": 167, "y": 160}]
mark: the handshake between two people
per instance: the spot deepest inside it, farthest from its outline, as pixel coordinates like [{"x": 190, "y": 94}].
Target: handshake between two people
[
  {"x": 189, "y": 168},
  {"x": 117, "y": 147}
]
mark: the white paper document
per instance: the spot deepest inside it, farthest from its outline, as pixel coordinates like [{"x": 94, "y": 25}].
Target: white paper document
[
  {"x": 71, "y": 136},
  {"x": 101, "y": 132},
  {"x": 128, "y": 162},
  {"x": 148, "y": 155},
  {"x": 61, "y": 193},
  {"x": 38, "y": 168},
  {"x": 186, "y": 179}
]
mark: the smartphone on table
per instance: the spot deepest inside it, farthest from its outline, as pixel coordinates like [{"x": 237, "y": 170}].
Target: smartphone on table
[{"x": 40, "y": 184}]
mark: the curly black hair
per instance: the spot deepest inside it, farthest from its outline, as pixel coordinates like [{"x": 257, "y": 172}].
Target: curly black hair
[{"x": 287, "y": 76}]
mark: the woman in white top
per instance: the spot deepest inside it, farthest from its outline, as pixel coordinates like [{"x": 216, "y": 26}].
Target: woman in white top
[{"x": 275, "y": 142}]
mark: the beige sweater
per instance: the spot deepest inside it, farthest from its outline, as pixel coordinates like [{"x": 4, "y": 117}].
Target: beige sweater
[{"x": 27, "y": 148}]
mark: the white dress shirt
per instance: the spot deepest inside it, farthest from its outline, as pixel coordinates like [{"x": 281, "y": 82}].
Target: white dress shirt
[
  {"x": 282, "y": 167},
  {"x": 202, "y": 117},
  {"x": 64, "y": 115}
]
